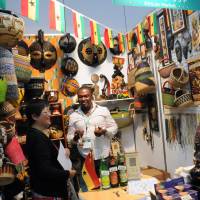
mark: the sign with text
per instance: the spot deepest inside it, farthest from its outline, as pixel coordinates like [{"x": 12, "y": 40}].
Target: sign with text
[{"x": 172, "y": 4}]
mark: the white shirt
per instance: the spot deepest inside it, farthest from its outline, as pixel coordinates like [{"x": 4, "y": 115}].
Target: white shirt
[{"x": 98, "y": 117}]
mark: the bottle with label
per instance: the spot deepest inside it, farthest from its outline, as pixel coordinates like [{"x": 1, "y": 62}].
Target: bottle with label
[
  {"x": 114, "y": 179},
  {"x": 122, "y": 170},
  {"x": 104, "y": 173}
]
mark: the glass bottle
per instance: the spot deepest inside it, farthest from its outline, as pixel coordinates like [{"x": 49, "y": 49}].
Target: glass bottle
[
  {"x": 114, "y": 179},
  {"x": 104, "y": 174},
  {"x": 122, "y": 170}
]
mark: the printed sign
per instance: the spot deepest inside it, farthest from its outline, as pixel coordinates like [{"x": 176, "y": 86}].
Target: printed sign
[{"x": 172, "y": 4}]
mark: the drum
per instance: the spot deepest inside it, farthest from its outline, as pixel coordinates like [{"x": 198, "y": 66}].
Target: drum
[
  {"x": 7, "y": 174},
  {"x": 69, "y": 87},
  {"x": 11, "y": 29},
  {"x": 35, "y": 88}
]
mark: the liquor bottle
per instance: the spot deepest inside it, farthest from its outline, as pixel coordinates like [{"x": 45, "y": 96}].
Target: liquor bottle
[
  {"x": 122, "y": 170},
  {"x": 104, "y": 174},
  {"x": 114, "y": 179}
]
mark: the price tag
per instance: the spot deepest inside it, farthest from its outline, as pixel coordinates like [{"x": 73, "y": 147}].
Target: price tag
[
  {"x": 51, "y": 94},
  {"x": 113, "y": 169},
  {"x": 87, "y": 144},
  {"x": 186, "y": 197}
]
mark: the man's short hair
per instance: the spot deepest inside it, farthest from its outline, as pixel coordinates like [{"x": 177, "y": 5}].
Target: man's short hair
[{"x": 85, "y": 87}]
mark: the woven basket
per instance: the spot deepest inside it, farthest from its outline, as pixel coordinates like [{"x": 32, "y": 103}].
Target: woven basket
[
  {"x": 3, "y": 89},
  {"x": 166, "y": 70},
  {"x": 179, "y": 77},
  {"x": 7, "y": 174},
  {"x": 22, "y": 68},
  {"x": 168, "y": 94},
  {"x": 183, "y": 99}
]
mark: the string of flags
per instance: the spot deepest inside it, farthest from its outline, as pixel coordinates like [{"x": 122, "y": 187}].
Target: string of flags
[{"x": 30, "y": 9}]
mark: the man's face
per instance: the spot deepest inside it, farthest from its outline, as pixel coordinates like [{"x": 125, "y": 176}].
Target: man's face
[{"x": 85, "y": 99}]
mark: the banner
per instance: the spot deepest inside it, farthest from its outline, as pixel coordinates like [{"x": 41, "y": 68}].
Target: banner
[{"x": 172, "y": 4}]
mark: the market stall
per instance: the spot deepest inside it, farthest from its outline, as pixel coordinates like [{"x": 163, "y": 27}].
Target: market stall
[{"x": 148, "y": 79}]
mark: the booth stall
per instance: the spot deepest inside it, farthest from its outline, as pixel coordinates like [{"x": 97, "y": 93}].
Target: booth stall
[{"x": 147, "y": 78}]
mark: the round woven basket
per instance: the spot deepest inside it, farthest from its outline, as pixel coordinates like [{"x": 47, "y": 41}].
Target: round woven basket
[
  {"x": 183, "y": 99},
  {"x": 165, "y": 71},
  {"x": 179, "y": 77}
]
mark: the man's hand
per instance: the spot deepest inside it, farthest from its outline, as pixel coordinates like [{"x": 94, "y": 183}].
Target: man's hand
[
  {"x": 72, "y": 173},
  {"x": 77, "y": 135},
  {"x": 99, "y": 131}
]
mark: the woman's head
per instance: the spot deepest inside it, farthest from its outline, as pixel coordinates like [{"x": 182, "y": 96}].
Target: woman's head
[{"x": 38, "y": 113}]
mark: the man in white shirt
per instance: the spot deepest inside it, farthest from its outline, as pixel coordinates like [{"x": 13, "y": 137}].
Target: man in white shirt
[{"x": 91, "y": 127}]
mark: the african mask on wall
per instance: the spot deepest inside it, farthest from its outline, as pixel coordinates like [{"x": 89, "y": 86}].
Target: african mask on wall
[
  {"x": 69, "y": 67},
  {"x": 178, "y": 50},
  {"x": 91, "y": 55},
  {"x": 43, "y": 53},
  {"x": 67, "y": 43},
  {"x": 115, "y": 50}
]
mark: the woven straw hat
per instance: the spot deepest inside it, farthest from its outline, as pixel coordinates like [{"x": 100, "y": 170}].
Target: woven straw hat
[{"x": 6, "y": 110}]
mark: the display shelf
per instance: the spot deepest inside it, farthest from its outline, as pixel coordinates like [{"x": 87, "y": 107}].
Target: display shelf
[
  {"x": 57, "y": 115},
  {"x": 182, "y": 110}
]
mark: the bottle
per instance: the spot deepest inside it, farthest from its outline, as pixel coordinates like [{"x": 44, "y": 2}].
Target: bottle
[
  {"x": 114, "y": 179},
  {"x": 122, "y": 170},
  {"x": 104, "y": 174}
]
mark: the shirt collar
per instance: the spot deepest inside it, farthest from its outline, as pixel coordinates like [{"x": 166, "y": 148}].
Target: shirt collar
[{"x": 91, "y": 111}]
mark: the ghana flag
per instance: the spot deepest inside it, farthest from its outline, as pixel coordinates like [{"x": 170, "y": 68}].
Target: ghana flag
[
  {"x": 121, "y": 39},
  {"x": 95, "y": 33},
  {"x": 140, "y": 34},
  {"x": 153, "y": 24},
  {"x": 89, "y": 177},
  {"x": 30, "y": 9}
]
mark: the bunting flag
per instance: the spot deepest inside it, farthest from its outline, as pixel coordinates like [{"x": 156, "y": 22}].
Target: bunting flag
[
  {"x": 129, "y": 41},
  {"x": 108, "y": 38},
  {"x": 95, "y": 33},
  {"x": 56, "y": 16},
  {"x": 30, "y": 9},
  {"x": 140, "y": 34},
  {"x": 3, "y": 4},
  {"x": 153, "y": 24},
  {"x": 89, "y": 177},
  {"x": 79, "y": 25},
  {"x": 121, "y": 40}
]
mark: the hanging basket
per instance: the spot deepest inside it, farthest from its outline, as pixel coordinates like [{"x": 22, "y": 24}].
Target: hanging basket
[
  {"x": 165, "y": 71},
  {"x": 183, "y": 99},
  {"x": 179, "y": 77},
  {"x": 168, "y": 94}
]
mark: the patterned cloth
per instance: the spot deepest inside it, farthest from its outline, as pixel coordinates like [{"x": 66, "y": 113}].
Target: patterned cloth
[{"x": 7, "y": 70}]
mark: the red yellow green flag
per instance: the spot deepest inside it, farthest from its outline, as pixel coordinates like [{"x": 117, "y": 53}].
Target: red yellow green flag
[
  {"x": 121, "y": 39},
  {"x": 153, "y": 24},
  {"x": 95, "y": 33},
  {"x": 79, "y": 25},
  {"x": 56, "y": 16},
  {"x": 90, "y": 179},
  {"x": 129, "y": 41},
  {"x": 108, "y": 38},
  {"x": 3, "y": 4},
  {"x": 30, "y": 9},
  {"x": 140, "y": 34}
]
